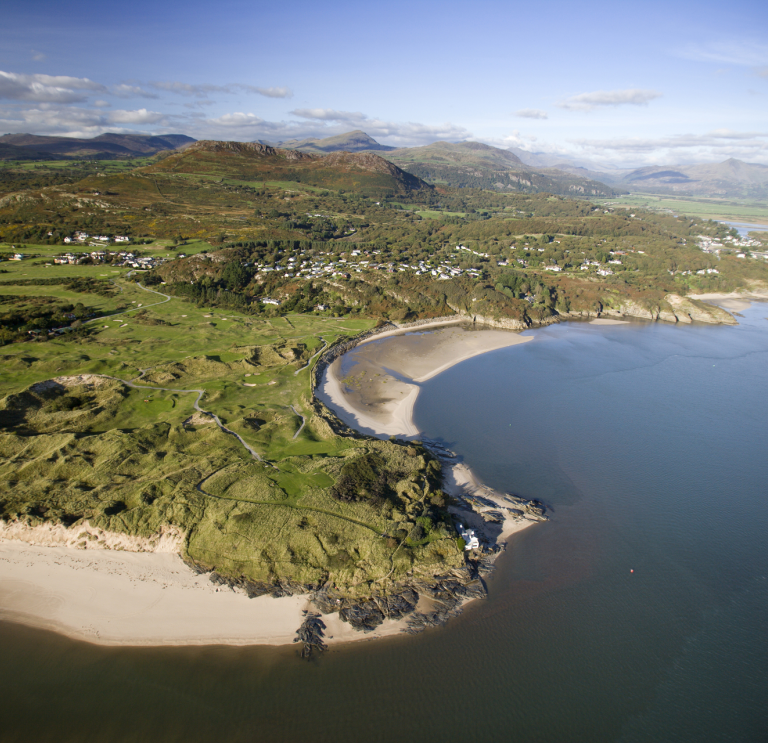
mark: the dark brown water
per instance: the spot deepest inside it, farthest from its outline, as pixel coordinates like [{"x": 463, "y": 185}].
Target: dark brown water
[{"x": 649, "y": 444}]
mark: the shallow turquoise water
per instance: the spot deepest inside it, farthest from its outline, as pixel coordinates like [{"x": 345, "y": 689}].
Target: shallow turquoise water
[{"x": 648, "y": 442}]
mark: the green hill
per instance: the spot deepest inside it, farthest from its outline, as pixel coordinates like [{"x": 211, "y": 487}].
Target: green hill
[
  {"x": 365, "y": 173},
  {"x": 476, "y": 165}
]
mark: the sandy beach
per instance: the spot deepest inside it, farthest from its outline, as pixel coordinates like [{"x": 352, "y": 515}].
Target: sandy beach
[
  {"x": 734, "y": 301},
  {"x": 354, "y": 388},
  {"x": 376, "y": 394},
  {"x": 116, "y": 597}
]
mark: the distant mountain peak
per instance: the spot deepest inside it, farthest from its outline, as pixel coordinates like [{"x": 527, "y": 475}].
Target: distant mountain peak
[{"x": 355, "y": 141}]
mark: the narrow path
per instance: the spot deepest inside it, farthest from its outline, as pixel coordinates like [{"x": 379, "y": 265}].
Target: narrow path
[
  {"x": 200, "y": 489},
  {"x": 287, "y": 505},
  {"x": 133, "y": 309},
  {"x": 197, "y": 407},
  {"x": 312, "y": 357},
  {"x": 303, "y": 421}
]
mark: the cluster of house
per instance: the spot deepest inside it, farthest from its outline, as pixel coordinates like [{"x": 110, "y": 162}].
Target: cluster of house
[
  {"x": 474, "y": 252},
  {"x": 303, "y": 266},
  {"x": 121, "y": 258},
  {"x": 701, "y": 272},
  {"x": 81, "y": 237},
  {"x": 713, "y": 245}
]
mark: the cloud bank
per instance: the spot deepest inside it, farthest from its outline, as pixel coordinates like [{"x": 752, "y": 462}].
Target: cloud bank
[{"x": 590, "y": 101}]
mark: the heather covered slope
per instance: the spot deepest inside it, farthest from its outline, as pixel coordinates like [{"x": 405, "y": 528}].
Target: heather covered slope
[{"x": 365, "y": 173}]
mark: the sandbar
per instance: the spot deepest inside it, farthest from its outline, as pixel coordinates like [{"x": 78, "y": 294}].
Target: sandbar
[{"x": 734, "y": 301}]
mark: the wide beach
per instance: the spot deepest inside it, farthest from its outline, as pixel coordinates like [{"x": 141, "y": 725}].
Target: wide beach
[{"x": 374, "y": 388}]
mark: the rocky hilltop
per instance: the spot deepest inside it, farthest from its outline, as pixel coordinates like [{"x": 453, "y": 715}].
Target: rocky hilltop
[{"x": 364, "y": 172}]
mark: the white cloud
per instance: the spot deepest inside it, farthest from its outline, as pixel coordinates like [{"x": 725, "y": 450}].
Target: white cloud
[
  {"x": 102, "y": 104},
  {"x": 329, "y": 114},
  {"x": 131, "y": 91},
  {"x": 203, "y": 90},
  {"x": 713, "y": 146},
  {"x": 398, "y": 134},
  {"x": 46, "y": 88},
  {"x": 271, "y": 92},
  {"x": 531, "y": 113},
  {"x": 237, "y": 119},
  {"x": 735, "y": 52},
  {"x": 141, "y": 116},
  {"x": 37, "y": 56},
  {"x": 589, "y": 101}
]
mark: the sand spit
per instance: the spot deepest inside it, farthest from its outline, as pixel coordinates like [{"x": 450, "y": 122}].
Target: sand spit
[
  {"x": 400, "y": 365},
  {"x": 733, "y": 301}
]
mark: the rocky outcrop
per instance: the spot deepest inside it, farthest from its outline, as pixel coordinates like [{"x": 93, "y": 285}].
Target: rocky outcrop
[
  {"x": 697, "y": 311},
  {"x": 311, "y": 634},
  {"x": 674, "y": 309},
  {"x": 247, "y": 148},
  {"x": 506, "y": 323}
]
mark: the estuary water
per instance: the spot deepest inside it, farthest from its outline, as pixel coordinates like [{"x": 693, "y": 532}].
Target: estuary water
[{"x": 638, "y": 613}]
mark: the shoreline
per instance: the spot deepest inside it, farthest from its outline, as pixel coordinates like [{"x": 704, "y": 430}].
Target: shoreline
[
  {"x": 732, "y": 301},
  {"x": 507, "y": 514},
  {"x": 145, "y": 599},
  {"x": 394, "y": 416}
]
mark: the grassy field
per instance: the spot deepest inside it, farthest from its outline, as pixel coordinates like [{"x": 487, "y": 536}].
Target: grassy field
[
  {"x": 729, "y": 210},
  {"x": 431, "y": 214},
  {"x": 133, "y": 459},
  {"x": 101, "y": 166}
]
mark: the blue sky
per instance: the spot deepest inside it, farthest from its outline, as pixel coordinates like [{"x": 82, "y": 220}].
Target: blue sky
[{"x": 615, "y": 83}]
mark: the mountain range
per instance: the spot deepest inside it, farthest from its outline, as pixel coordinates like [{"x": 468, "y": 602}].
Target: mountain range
[
  {"x": 458, "y": 164},
  {"x": 104, "y": 147},
  {"x": 730, "y": 178}
]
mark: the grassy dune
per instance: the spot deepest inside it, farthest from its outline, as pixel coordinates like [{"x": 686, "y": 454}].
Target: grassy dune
[{"x": 134, "y": 459}]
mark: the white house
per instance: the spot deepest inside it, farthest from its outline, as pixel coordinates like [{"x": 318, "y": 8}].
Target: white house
[{"x": 471, "y": 542}]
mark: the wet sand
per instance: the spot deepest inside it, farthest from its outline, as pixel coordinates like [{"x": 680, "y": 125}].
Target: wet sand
[
  {"x": 374, "y": 387},
  {"x": 733, "y": 301}
]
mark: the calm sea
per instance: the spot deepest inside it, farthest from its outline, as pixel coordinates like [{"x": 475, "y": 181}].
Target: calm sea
[{"x": 638, "y": 613}]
